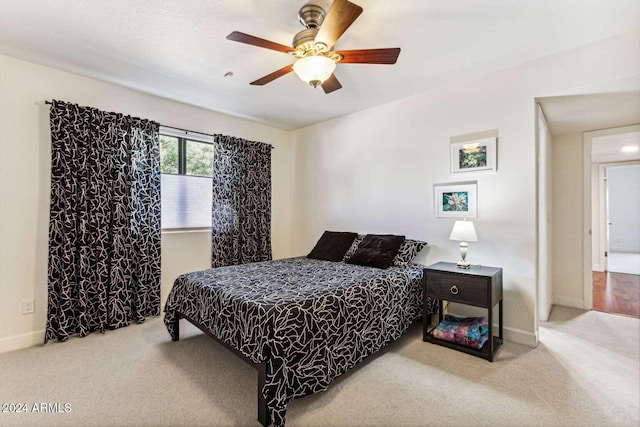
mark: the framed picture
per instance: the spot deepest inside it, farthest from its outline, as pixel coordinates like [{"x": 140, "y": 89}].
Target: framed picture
[
  {"x": 474, "y": 156},
  {"x": 456, "y": 200}
]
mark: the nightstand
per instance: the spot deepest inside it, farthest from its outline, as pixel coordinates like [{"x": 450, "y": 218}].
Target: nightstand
[{"x": 478, "y": 286}]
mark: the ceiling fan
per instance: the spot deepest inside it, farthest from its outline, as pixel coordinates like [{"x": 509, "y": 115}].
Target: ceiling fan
[{"x": 313, "y": 47}]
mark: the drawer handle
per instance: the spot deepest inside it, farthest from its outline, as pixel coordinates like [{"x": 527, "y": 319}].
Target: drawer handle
[{"x": 454, "y": 290}]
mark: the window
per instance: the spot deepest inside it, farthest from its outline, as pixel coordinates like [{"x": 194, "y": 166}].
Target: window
[{"x": 186, "y": 167}]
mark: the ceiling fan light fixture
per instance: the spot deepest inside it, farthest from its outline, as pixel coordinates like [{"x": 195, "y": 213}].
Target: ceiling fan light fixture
[
  {"x": 313, "y": 47},
  {"x": 314, "y": 70}
]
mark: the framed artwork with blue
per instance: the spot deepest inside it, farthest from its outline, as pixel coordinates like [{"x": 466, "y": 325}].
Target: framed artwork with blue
[{"x": 456, "y": 200}]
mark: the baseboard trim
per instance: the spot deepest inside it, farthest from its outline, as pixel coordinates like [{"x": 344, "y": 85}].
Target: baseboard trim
[
  {"x": 625, "y": 250},
  {"x": 31, "y": 339},
  {"x": 597, "y": 267},
  {"x": 518, "y": 336},
  {"x": 568, "y": 302},
  {"x": 18, "y": 342}
]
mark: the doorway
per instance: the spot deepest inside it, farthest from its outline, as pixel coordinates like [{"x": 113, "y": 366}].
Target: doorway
[
  {"x": 622, "y": 198},
  {"x": 615, "y": 195}
]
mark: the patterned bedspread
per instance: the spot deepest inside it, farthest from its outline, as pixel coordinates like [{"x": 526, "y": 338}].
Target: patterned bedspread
[{"x": 314, "y": 319}]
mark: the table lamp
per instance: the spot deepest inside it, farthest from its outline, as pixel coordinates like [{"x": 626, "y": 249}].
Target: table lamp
[{"x": 463, "y": 231}]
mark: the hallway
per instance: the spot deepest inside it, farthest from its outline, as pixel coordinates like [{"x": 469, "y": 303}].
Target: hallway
[{"x": 616, "y": 293}]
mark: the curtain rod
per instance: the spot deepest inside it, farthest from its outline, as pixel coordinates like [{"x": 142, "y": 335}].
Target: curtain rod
[
  {"x": 180, "y": 129},
  {"x": 187, "y": 131}
]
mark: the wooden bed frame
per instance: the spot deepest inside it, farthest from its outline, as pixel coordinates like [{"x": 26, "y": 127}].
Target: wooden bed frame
[{"x": 264, "y": 416}]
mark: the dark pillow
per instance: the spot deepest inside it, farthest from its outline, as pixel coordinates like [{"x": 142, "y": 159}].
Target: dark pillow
[
  {"x": 407, "y": 252},
  {"x": 332, "y": 245},
  {"x": 354, "y": 247},
  {"x": 377, "y": 250}
]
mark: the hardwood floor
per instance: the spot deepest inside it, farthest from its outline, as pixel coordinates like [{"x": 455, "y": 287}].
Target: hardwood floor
[{"x": 617, "y": 293}]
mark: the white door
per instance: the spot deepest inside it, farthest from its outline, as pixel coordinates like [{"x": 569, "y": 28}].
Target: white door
[
  {"x": 544, "y": 218},
  {"x": 623, "y": 219}
]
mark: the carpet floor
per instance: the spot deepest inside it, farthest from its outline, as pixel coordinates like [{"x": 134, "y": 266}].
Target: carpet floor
[{"x": 584, "y": 372}]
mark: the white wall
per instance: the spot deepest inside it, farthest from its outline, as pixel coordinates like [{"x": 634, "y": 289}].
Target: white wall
[
  {"x": 373, "y": 171},
  {"x": 567, "y": 211},
  {"x": 25, "y": 176},
  {"x": 624, "y": 208}
]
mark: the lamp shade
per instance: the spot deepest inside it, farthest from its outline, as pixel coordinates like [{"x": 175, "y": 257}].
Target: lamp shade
[
  {"x": 464, "y": 231},
  {"x": 314, "y": 69}
]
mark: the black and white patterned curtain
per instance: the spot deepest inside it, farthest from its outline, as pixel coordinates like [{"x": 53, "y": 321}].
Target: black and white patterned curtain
[
  {"x": 241, "y": 213},
  {"x": 104, "y": 227}
]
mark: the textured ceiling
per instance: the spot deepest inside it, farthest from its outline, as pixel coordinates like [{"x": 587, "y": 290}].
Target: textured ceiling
[{"x": 178, "y": 50}]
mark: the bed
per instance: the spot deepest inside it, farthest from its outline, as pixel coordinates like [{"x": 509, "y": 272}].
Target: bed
[{"x": 301, "y": 322}]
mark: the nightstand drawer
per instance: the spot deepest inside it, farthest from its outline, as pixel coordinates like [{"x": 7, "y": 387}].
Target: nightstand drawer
[{"x": 458, "y": 288}]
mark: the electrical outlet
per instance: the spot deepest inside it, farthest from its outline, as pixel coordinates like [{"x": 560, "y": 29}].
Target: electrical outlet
[{"x": 27, "y": 306}]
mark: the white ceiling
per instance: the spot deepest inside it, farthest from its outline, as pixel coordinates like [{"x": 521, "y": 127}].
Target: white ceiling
[
  {"x": 582, "y": 113},
  {"x": 178, "y": 50},
  {"x": 608, "y": 148},
  {"x": 612, "y": 108}
]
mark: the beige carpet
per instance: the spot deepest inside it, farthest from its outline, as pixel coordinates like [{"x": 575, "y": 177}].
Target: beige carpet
[{"x": 584, "y": 372}]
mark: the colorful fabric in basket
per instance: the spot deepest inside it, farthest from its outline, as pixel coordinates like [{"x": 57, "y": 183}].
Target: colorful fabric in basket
[{"x": 468, "y": 331}]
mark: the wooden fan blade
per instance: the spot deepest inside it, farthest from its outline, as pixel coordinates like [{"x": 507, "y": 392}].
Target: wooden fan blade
[
  {"x": 370, "y": 56},
  {"x": 237, "y": 36},
  {"x": 340, "y": 16},
  {"x": 271, "y": 77},
  {"x": 331, "y": 84}
]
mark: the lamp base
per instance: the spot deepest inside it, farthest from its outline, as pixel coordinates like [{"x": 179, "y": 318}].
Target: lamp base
[{"x": 464, "y": 264}]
